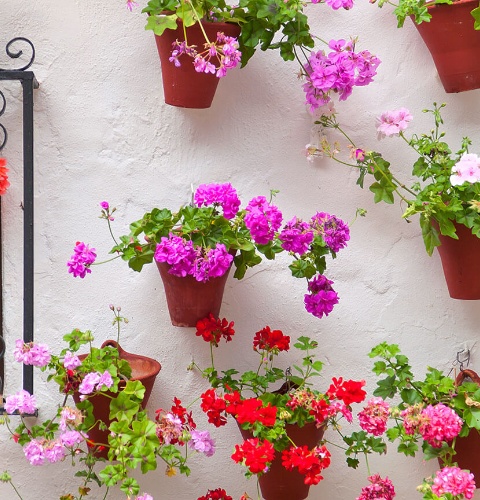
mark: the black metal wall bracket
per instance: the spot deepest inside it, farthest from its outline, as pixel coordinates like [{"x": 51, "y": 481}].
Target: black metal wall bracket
[{"x": 29, "y": 83}]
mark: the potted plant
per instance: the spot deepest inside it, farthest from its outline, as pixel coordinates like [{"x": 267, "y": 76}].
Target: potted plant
[
  {"x": 281, "y": 416},
  {"x": 108, "y": 423},
  {"x": 195, "y": 247},
  {"x": 438, "y": 413},
  {"x": 445, "y": 194},
  {"x": 449, "y": 29},
  {"x": 217, "y": 36}
]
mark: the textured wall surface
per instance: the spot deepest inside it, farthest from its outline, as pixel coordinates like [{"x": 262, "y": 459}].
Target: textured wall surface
[{"x": 103, "y": 132}]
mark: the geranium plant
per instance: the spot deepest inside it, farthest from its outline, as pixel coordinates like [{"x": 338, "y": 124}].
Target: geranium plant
[
  {"x": 135, "y": 441},
  {"x": 446, "y": 189},
  {"x": 266, "y": 401},
  {"x": 432, "y": 413},
  {"x": 265, "y": 24},
  {"x": 204, "y": 238},
  {"x": 418, "y": 9}
]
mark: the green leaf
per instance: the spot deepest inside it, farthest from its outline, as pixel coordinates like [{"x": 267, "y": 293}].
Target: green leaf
[{"x": 382, "y": 192}]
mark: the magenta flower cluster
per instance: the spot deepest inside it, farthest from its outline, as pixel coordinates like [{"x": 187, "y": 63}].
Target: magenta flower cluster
[
  {"x": 380, "y": 489},
  {"x": 31, "y": 353},
  {"x": 185, "y": 259},
  {"x": 296, "y": 236},
  {"x": 217, "y": 58},
  {"x": 338, "y": 71},
  {"x": 322, "y": 297},
  {"x": 80, "y": 262},
  {"x": 223, "y": 195},
  {"x": 455, "y": 481},
  {"x": 262, "y": 219},
  {"x": 333, "y": 230}
]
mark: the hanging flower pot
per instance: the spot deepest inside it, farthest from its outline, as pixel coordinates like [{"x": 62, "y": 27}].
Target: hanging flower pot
[
  {"x": 282, "y": 484},
  {"x": 189, "y": 300},
  {"x": 144, "y": 369},
  {"x": 454, "y": 44},
  {"x": 461, "y": 263},
  {"x": 183, "y": 86}
]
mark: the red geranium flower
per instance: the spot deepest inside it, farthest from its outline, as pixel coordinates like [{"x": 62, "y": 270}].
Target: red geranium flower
[
  {"x": 349, "y": 391},
  {"x": 218, "y": 494},
  {"x": 271, "y": 340},
  {"x": 255, "y": 454},
  {"x": 252, "y": 410},
  {"x": 213, "y": 329},
  {"x": 213, "y": 406},
  {"x": 4, "y": 184},
  {"x": 310, "y": 463}
]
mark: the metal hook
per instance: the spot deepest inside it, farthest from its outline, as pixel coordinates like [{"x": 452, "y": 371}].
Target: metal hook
[
  {"x": 461, "y": 361},
  {"x": 192, "y": 204}
]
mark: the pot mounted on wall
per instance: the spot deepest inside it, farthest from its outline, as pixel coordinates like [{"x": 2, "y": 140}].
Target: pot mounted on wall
[
  {"x": 454, "y": 44},
  {"x": 183, "y": 86}
]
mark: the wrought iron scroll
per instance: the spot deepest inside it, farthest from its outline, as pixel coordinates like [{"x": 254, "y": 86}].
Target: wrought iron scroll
[{"x": 29, "y": 83}]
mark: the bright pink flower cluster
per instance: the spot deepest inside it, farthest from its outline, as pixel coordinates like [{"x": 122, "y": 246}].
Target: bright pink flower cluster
[
  {"x": 185, "y": 259},
  {"x": 439, "y": 423},
  {"x": 455, "y": 481},
  {"x": 80, "y": 262},
  {"x": 338, "y": 71},
  {"x": 144, "y": 496},
  {"x": 466, "y": 170},
  {"x": 262, "y": 219},
  {"x": 224, "y": 195},
  {"x": 381, "y": 489},
  {"x": 255, "y": 454},
  {"x": 31, "y": 353},
  {"x": 310, "y": 463},
  {"x": 296, "y": 236},
  {"x": 333, "y": 230},
  {"x": 393, "y": 122},
  {"x": 217, "y": 58},
  {"x": 374, "y": 417},
  {"x": 322, "y": 296}
]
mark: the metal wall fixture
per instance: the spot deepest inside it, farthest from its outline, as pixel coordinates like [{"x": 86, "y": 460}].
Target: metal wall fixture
[{"x": 29, "y": 83}]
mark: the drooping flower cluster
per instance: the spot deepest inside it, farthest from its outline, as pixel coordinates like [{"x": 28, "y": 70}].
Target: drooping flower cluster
[
  {"x": 216, "y": 58},
  {"x": 40, "y": 450},
  {"x": 338, "y": 71},
  {"x": 263, "y": 219},
  {"x": 223, "y": 195},
  {"x": 379, "y": 489},
  {"x": 334, "y": 231},
  {"x": 310, "y": 463},
  {"x": 212, "y": 329},
  {"x": 4, "y": 183},
  {"x": 374, "y": 417},
  {"x": 455, "y": 481},
  {"x": 322, "y": 296},
  {"x": 466, "y": 170},
  {"x": 80, "y": 262},
  {"x": 31, "y": 353},
  {"x": 22, "y": 401},
  {"x": 296, "y": 236},
  {"x": 393, "y": 122},
  {"x": 217, "y": 494}
]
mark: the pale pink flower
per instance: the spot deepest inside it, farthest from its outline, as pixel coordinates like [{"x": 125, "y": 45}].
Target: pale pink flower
[
  {"x": 70, "y": 416},
  {"x": 89, "y": 383},
  {"x": 466, "y": 170},
  {"x": 105, "y": 380},
  {"x": 71, "y": 438},
  {"x": 22, "y": 401},
  {"x": 144, "y": 496},
  {"x": 393, "y": 122},
  {"x": 54, "y": 451},
  {"x": 31, "y": 354},
  {"x": 34, "y": 452},
  {"x": 71, "y": 361}
]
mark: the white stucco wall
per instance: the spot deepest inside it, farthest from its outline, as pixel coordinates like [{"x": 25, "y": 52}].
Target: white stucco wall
[{"x": 102, "y": 132}]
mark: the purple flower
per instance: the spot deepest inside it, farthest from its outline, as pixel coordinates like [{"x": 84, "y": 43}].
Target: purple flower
[
  {"x": 176, "y": 252},
  {"x": 34, "y": 452},
  {"x": 224, "y": 195},
  {"x": 104, "y": 205},
  {"x": 202, "y": 442},
  {"x": 214, "y": 264},
  {"x": 296, "y": 236},
  {"x": 333, "y": 230},
  {"x": 144, "y": 496},
  {"x": 71, "y": 361},
  {"x": 89, "y": 382},
  {"x": 262, "y": 219},
  {"x": 80, "y": 262},
  {"x": 22, "y": 401},
  {"x": 322, "y": 296},
  {"x": 105, "y": 380},
  {"x": 54, "y": 451}
]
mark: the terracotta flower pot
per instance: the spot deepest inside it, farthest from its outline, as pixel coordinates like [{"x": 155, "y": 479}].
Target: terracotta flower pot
[
  {"x": 189, "y": 300},
  {"x": 461, "y": 263},
  {"x": 468, "y": 448},
  {"x": 279, "y": 483},
  {"x": 143, "y": 368},
  {"x": 454, "y": 44},
  {"x": 183, "y": 86}
]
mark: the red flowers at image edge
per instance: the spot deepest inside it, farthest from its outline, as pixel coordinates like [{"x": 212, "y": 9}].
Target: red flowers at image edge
[
  {"x": 4, "y": 184},
  {"x": 271, "y": 339},
  {"x": 218, "y": 494},
  {"x": 349, "y": 391},
  {"x": 212, "y": 329}
]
